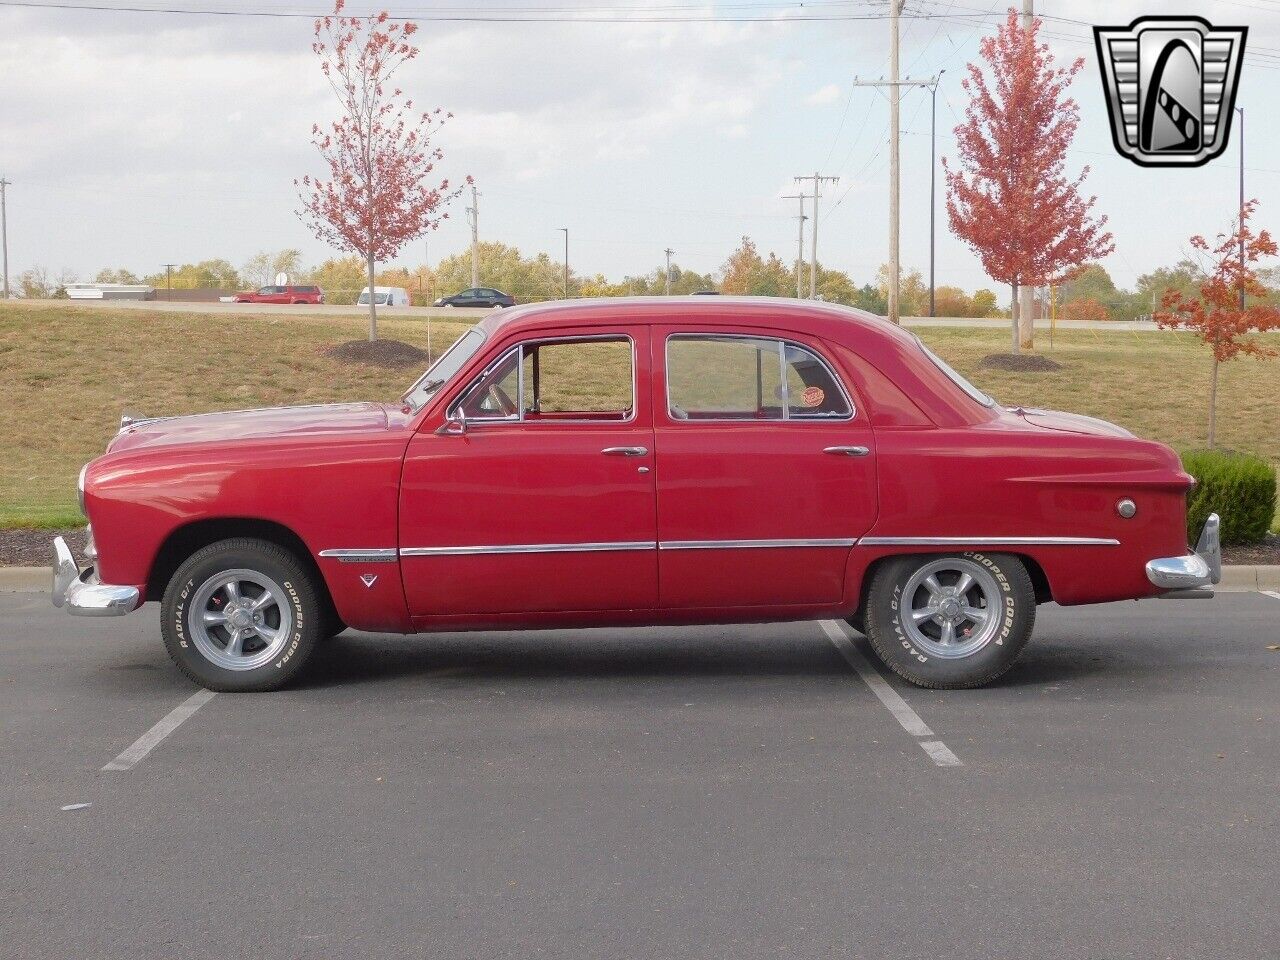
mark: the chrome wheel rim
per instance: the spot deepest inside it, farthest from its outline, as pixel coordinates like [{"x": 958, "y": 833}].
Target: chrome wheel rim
[
  {"x": 951, "y": 608},
  {"x": 239, "y": 619}
]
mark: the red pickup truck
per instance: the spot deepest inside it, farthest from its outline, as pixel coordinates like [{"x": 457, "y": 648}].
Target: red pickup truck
[
  {"x": 673, "y": 460},
  {"x": 276, "y": 294}
]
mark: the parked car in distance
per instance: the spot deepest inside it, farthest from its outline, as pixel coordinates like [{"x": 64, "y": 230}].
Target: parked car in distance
[
  {"x": 478, "y": 297},
  {"x": 278, "y": 294},
  {"x": 648, "y": 461},
  {"x": 386, "y": 297}
]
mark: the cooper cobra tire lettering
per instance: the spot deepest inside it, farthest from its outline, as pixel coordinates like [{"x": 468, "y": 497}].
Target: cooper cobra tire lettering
[
  {"x": 885, "y": 607},
  {"x": 305, "y": 599}
]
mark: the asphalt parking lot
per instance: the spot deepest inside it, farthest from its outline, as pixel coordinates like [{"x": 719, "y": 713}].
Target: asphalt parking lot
[{"x": 723, "y": 792}]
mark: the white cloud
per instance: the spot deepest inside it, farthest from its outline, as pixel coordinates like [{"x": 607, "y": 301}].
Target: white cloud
[{"x": 828, "y": 94}]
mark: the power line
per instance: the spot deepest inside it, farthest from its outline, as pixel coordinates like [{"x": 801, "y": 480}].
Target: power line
[{"x": 471, "y": 15}]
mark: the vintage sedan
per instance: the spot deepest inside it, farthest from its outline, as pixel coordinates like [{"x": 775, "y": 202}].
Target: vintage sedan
[{"x": 676, "y": 460}]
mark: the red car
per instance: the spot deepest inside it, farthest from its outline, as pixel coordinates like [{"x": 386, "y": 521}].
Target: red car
[
  {"x": 277, "y": 294},
  {"x": 628, "y": 462}
]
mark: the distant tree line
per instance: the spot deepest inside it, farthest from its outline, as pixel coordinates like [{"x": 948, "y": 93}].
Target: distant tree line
[{"x": 1090, "y": 295}]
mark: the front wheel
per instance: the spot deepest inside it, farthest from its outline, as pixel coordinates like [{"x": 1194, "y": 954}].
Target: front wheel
[
  {"x": 242, "y": 615},
  {"x": 950, "y": 621}
]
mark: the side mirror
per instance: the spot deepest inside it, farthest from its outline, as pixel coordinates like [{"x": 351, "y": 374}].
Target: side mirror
[{"x": 455, "y": 425}]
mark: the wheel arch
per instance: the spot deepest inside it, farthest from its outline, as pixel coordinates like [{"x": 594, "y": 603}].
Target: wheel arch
[
  {"x": 185, "y": 540},
  {"x": 1039, "y": 579}
]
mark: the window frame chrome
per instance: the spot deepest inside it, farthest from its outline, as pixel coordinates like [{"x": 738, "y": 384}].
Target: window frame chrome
[
  {"x": 782, "y": 343},
  {"x": 452, "y": 411}
]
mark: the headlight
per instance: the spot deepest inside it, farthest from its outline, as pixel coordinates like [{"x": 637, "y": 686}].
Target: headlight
[{"x": 80, "y": 487}]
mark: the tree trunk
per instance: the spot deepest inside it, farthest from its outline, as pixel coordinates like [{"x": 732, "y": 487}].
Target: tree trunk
[
  {"x": 1213, "y": 403},
  {"x": 373, "y": 308},
  {"x": 1027, "y": 318},
  {"x": 1013, "y": 316}
]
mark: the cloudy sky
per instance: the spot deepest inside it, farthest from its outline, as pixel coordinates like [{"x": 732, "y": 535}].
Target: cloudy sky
[{"x": 138, "y": 138}]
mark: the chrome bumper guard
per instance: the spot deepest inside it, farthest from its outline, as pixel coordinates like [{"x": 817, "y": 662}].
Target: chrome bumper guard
[
  {"x": 1195, "y": 571},
  {"x": 82, "y": 594}
]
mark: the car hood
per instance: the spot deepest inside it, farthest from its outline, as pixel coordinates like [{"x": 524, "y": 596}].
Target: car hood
[
  {"x": 1071, "y": 423},
  {"x": 235, "y": 425}
]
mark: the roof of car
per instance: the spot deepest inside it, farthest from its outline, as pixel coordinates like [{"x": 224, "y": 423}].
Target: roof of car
[{"x": 812, "y": 316}]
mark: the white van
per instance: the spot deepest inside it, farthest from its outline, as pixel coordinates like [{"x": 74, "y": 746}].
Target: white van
[{"x": 386, "y": 297}]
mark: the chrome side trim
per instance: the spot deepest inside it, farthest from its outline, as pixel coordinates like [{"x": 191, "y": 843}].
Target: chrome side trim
[
  {"x": 750, "y": 544},
  {"x": 371, "y": 555},
  {"x": 617, "y": 546},
  {"x": 988, "y": 541}
]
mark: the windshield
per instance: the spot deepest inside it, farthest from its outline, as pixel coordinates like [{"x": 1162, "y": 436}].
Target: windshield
[
  {"x": 956, "y": 378},
  {"x": 442, "y": 371}
]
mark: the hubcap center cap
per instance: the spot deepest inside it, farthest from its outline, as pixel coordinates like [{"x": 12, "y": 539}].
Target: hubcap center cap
[
  {"x": 950, "y": 608},
  {"x": 240, "y": 617}
]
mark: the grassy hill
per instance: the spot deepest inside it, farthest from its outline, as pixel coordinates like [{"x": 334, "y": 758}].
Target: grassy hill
[{"x": 67, "y": 371}]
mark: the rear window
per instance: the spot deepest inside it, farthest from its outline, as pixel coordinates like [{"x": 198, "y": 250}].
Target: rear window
[{"x": 721, "y": 377}]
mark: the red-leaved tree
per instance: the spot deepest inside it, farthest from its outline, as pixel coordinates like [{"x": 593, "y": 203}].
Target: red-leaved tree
[
  {"x": 1216, "y": 315},
  {"x": 1010, "y": 198},
  {"x": 378, "y": 195}
]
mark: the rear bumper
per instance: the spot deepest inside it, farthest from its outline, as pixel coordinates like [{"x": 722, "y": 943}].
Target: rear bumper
[
  {"x": 80, "y": 593},
  {"x": 1193, "y": 571}
]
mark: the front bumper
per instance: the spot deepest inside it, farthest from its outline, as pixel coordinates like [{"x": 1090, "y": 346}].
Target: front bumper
[
  {"x": 1194, "y": 571},
  {"x": 81, "y": 593}
]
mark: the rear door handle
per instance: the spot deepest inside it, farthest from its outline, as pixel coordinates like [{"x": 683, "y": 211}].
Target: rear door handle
[
  {"x": 625, "y": 451},
  {"x": 848, "y": 451}
]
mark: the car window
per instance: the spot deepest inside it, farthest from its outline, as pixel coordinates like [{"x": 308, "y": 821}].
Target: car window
[
  {"x": 495, "y": 394},
  {"x": 591, "y": 378},
  {"x": 812, "y": 390},
  {"x": 444, "y": 369},
  {"x": 722, "y": 377}
]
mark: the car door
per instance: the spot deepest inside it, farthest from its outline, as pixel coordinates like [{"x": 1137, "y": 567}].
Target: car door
[
  {"x": 765, "y": 470},
  {"x": 546, "y": 502},
  {"x": 468, "y": 298}
]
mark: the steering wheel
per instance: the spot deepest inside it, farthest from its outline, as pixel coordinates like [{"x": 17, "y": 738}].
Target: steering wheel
[{"x": 502, "y": 401}]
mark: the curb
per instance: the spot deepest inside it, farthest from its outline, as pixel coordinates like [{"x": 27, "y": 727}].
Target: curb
[{"x": 1234, "y": 579}]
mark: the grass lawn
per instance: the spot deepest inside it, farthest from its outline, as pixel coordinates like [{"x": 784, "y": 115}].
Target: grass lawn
[{"x": 66, "y": 373}]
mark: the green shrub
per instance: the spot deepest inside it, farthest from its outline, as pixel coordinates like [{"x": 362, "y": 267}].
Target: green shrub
[{"x": 1238, "y": 487}]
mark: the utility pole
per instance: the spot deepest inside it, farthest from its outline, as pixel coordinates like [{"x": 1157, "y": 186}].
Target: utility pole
[
  {"x": 895, "y": 86},
  {"x": 668, "y": 252},
  {"x": 566, "y": 261},
  {"x": 895, "y": 168},
  {"x": 4, "y": 234},
  {"x": 818, "y": 180},
  {"x": 168, "y": 280},
  {"x": 800, "y": 219},
  {"x": 473, "y": 217},
  {"x": 933, "y": 163},
  {"x": 1240, "y": 110}
]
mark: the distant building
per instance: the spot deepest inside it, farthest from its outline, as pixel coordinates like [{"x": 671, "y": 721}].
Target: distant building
[{"x": 111, "y": 291}]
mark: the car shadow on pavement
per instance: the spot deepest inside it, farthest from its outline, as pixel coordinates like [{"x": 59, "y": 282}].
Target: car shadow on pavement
[{"x": 597, "y": 654}]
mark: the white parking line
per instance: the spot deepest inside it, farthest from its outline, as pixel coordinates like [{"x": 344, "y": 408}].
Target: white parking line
[
  {"x": 169, "y": 723},
  {"x": 1270, "y": 593},
  {"x": 893, "y": 702}
]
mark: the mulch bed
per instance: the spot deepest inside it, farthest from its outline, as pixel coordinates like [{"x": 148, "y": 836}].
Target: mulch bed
[
  {"x": 393, "y": 354},
  {"x": 1266, "y": 552},
  {"x": 1019, "y": 362},
  {"x": 34, "y": 548}
]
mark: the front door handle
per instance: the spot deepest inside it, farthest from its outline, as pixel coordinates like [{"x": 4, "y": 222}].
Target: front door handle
[
  {"x": 625, "y": 451},
  {"x": 848, "y": 451}
]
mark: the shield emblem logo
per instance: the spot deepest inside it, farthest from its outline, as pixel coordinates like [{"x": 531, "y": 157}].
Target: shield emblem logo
[{"x": 1170, "y": 85}]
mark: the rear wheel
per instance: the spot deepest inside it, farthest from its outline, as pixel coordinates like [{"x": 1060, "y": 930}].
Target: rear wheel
[
  {"x": 241, "y": 615},
  {"x": 950, "y": 621}
]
